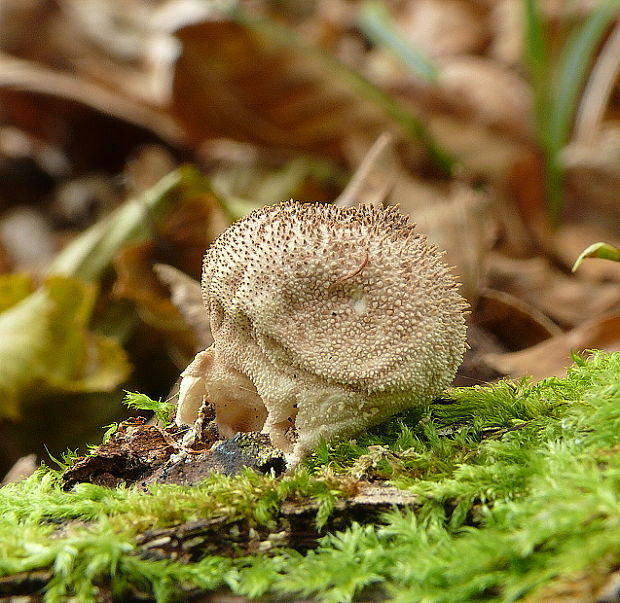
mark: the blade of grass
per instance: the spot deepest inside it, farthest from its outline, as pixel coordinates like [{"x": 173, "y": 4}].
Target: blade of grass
[
  {"x": 89, "y": 256},
  {"x": 598, "y": 91},
  {"x": 573, "y": 67},
  {"x": 557, "y": 88},
  {"x": 572, "y": 70},
  {"x": 601, "y": 250},
  {"x": 537, "y": 59},
  {"x": 377, "y": 24}
]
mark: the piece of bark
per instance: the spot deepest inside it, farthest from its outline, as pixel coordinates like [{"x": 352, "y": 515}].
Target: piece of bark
[
  {"x": 25, "y": 583},
  {"x": 294, "y": 526},
  {"x": 139, "y": 454},
  {"x": 132, "y": 453}
]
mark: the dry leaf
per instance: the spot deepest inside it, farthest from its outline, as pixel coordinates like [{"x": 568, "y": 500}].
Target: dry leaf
[
  {"x": 137, "y": 282},
  {"x": 26, "y": 76},
  {"x": 183, "y": 237},
  {"x": 514, "y": 322},
  {"x": 481, "y": 152},
  {"x": 17, "y": 17},
  {"x": 522, "y": 204},
  {"x": 259, "y": 89},
  {"x": 561, "y": 297},
  {"x": 113, "y": 29},
  {"x": 24, "y": 467},
  {"x": 593, "y": 174},
  {"x": 553, "y": 356},
  {"x": 440, "y": 28},
  {"x": 506, "y": 23},
  {"x": 459, "y": 222},
  {"x": 186, "y": 295},
  {"x": 374, "y": 178},
  {"x": 493, "y": 95}
]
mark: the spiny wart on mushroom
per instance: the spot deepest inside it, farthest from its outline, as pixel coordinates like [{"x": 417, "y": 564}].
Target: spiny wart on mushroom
[{"x": 325, "y": 321}]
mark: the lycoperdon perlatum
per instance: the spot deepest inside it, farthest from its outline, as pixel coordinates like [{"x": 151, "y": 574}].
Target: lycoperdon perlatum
[{"x": 325, "y": 321}]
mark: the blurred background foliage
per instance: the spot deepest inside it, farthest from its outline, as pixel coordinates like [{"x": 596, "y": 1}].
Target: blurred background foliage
[{"x": 132, "y": 132}]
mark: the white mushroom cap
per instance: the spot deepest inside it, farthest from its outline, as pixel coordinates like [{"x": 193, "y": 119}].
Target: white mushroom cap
[{"x": 325, "y": 320}]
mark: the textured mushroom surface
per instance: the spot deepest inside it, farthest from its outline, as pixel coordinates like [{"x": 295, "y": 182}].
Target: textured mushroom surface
[{"x": 325, "y": 321}]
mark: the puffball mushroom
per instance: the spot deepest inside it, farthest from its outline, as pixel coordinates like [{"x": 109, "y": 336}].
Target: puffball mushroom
[{"x": 325, "y": 321}]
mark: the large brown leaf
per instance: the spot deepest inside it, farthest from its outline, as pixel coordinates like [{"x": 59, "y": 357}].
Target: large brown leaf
[
  {"x": 238, "y": 82},
  {"x": 31, "y": 77}
]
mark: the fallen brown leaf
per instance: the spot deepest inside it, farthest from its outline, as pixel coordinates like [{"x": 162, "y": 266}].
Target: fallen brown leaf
[
  {"x": 513, "y": 321},
  {"x": 443, "y": 27},
  {"x": 506, "y": 25},
  {"x": 491, "y": 94},
  {"x": 21, "y": 469},
  {"x": 593, "y": 174},
  {"x": 553, "y": 356},
  {"x": 17, "y": 74},
  {"x": 561, "y": 297},
  {"x": 459, "y": 221},
  {"x": 186, "y": 295}
]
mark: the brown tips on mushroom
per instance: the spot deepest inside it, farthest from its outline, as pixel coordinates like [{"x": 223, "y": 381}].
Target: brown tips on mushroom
[{"x": 325, "y": 321}]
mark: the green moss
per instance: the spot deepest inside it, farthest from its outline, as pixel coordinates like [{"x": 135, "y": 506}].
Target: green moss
[
  {"x": 518, "y": 485},
  {"x": 162, "y": 410}
]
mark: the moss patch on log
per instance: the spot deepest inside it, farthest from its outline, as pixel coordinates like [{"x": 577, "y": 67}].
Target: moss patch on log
[{"x": 499, "y": 493}]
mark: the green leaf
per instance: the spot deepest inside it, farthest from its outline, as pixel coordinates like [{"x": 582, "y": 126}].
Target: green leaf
[
  {"x": 90, "y": 254},
  {"x": 23, "y": 341},
  {"x": 13, "y": 288},
  {"x": 601, "y": 250},
  {"x": 573, "y": 69},
  {"x": 45, "y": 346}
]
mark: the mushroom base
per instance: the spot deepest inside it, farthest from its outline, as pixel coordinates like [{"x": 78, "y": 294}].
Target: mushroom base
[
  {"x": 295, "y": 411},
  {"x": 238, "y": 407}
]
